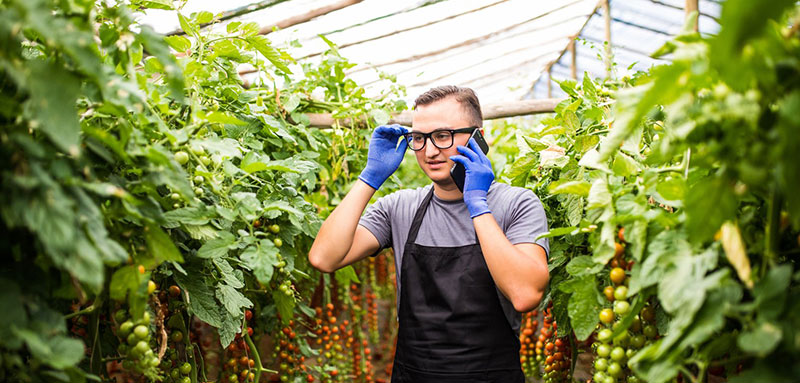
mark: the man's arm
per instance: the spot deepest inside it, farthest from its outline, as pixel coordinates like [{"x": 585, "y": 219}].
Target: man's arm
[
  {"x": 519, "y": 271},
  {"x": 341, "y": 241}
]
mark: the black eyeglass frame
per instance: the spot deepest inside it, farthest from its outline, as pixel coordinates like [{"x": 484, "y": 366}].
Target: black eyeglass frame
[{"x": 429, "y": 136}]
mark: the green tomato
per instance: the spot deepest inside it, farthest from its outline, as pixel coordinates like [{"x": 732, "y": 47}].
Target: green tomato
[
  {"x": 175, "y": 373},
  {"x": 132, "y": 339},
  {"x": 614, "y": 369},
  {"x": 198, "y": 191},
  {"x": 280, "y": 264},
  {"x": 599, "y": 376},
  {"x": 141, "y": 331},
  {"x": 617, "y": 354},
  {"x": 199, "y": 180},
  {"x": 633, "y": 379},
  {"x": 175, "y": 196},
  {"x": 205, "y": 160},
  {"x": 275, "y": 229},
  {"x": 650, "y": 331},
  {"x": 622, "y": 307},
  {"x": 603, "y": 350},
  {"x": 120, "y": 316},
  {"x": 182, "y": 157},
  {"x": 186, "y": 368},
  {"x": 142, "y": 347},
  {"x": 186, "y": 379},
  {"x": 629, "y": 353},
  {"x": 177, "y": 336},
  {"x": 145, "y": 318},
  {"x": 125, "y": 328},
  {"x": 600, "y": 364},
  {"x": 604, "y": 335},
  {"x": 278, "y": 242},
  {"x": 638, "y": 341},
  {"x": 122, "y": 348},
  {"x": 621, "y": 293},
  {"x": 198, "y": 150},
  {"x": 610, "y": 379}
]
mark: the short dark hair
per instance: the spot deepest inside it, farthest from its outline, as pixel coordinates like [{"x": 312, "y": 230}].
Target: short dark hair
[{"x": 465, "y": 96}]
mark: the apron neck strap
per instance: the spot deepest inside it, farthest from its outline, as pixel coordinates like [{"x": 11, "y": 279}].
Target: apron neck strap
[{"x": 417, "y": 222}]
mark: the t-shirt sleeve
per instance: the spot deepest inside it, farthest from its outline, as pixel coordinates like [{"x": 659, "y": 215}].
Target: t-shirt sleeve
[
  {"x": 377, "y": 219},
  {"x": 528, "y": 221}
]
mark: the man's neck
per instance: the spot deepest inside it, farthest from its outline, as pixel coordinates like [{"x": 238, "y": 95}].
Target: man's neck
[{"x": 448, "y": 192}]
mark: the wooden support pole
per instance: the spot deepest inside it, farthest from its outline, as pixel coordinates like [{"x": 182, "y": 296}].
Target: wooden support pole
[
  {"x": 573, "y": 64},
  {"x": 549, "y": 82},
  {"x": 490, "y": 112},
  {"x": 308, "y": 16},
  {"x": 607, "y": 19},
  {"x": 692, "y": 6}
]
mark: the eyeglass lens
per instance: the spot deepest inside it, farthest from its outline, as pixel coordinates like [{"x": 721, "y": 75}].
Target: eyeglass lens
[{"x": 442, "y": 140}]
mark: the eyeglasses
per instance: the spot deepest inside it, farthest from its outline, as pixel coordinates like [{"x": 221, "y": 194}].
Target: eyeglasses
[{"x": 441, "y": 138}]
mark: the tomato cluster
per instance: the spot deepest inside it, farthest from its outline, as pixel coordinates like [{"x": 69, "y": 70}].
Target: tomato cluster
[
  {"x": 613, "y": 352},
  {"x": 527, "y": 341},
  {"x": 135, "y": 343},
  {"x": 555, "y": 354}
]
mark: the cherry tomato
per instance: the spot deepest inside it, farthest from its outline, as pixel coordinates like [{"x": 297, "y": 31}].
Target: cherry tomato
[
  {"x": 608, "y": 291},
  {"x": 618, "y": 250},
  {"x": 622, "y": 307},
  {"x": 174, "y": 291},
  {"x": 621, "y": 293},
  {"x": 606, "y": 316},
  {"x": 614, "y": 369},
  {"x": 617, "y": 275},
  {"x": 617, "y": 354},
  {"x": 151, "y": 287},
  {"x": 621, "y": 234},
  {"x": 141, "y": 332},
  {"x": 186, "y": 368},
  {"x": 182, "y": 157},
  {"x": 603, "y": 350},
  {"x": 600, "y": 364},
  {"x": 604, "y": 335}
]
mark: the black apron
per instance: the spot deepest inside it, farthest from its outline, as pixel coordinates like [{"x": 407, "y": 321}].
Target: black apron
[{"x": 452, "y": 328}]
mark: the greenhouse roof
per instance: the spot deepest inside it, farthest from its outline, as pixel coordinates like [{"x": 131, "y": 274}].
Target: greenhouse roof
[{"x": 500, "y": 48}]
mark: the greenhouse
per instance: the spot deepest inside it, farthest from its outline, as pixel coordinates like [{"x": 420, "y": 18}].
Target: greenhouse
[{"x": 571, "y": 191}]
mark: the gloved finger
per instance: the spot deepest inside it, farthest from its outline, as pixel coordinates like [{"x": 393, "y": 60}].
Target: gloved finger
[
  {"x": 467, "y": 152},
  {"x": 402, "y": 146},
  {"x": 460, "y": 159},
  {"x": 477, "y": 149},
  {"x": 388, "y": 131}
]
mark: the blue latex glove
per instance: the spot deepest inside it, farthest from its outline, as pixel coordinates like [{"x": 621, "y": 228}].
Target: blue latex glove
[
  {"x": 384, "y": 155},
  {"x": 478, "y": 179}
]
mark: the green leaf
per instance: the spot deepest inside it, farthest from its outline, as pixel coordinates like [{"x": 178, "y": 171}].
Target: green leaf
[
  {"x": 233, "y": 300},
  {"x": 599, "y": 196},
  {"x": 179, "y": 43},
  {"x": 57, "y": 351},
  {"x": 187, "y": 25},
  {"x": 570, "y": 187},
  {"x": 189, "y": 216},
  {"x": 123, "y": 280},
  {"x": 585, "y": 142},
  {"x": 591, "y": 160},
  {"x": 558, "y": 232},
  {"x": 672, "y": 189},
  {"x": 216, "y": 248},
  {"x": 51, "y": 106},
  {"x": 624, "y": 166},
  {"x": 14, "y": 315},
  {"x": 346, "y": 275},
  {"x": 204, "y": 17},
  {"x": 156, "y": 4},
  {"x": 583, "y": 265},
  {"x": 583, "y": 307},
  {"x": 535, "y": 144},
  {"x": 201, "y": 296},
  {"x": 263, "y": 46},
  {"x": 223, "y": 118},
  {"x": 284, "y": 304},
  {"x": 161, "y": 245},
  {"x": 380, "y": 116},
  {"x": 761, "y": 340},
  {"x": 261, "y": 260},
  {"x": 709, "y": 203}
]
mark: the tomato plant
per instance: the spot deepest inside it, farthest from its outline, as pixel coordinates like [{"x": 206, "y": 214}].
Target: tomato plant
[
  {"x": 671, "y": 200},
  {"x": 154, "y": 199}
]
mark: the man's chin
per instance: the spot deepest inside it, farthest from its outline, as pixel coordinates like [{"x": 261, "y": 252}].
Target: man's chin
[{"x": 442, "y": 178}]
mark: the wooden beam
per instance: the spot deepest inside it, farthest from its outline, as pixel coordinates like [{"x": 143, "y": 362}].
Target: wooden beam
[
  {"x": 573, "y": 64},
  {"x": 550, "y": 82},
  {"x": 227, "y": 15},
  {"x": 692, "y": 6},
  {"x": 607, "y": 19},
  {"x": 308, "y": 16},
  {"x": 490, "y": 112}
]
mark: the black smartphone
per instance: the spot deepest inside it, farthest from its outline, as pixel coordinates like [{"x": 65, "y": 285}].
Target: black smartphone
[{"x": 458, "y": 172}]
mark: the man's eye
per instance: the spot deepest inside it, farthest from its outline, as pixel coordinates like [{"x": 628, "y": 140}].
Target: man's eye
[
  {"x": 417, "y": 138},
  {"x": 442, "y": 136}
]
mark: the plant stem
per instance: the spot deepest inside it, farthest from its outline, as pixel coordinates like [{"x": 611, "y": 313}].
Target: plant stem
[
  {"x": 256, "y": 357},
  {"x": 87, "y": 310},
  {"x": 773, "y": 224}
]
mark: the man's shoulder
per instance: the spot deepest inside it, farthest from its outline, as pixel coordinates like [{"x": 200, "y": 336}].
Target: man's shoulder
[
  {"x": 508, "y": 193},
  {"x": 404, "y": 197}
]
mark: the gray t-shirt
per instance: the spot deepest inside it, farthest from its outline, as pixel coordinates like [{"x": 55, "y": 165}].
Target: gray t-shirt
[{"x": 518, "y": 212}]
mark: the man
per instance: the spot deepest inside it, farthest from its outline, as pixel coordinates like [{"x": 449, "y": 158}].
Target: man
[{"x": 467, "y": 264}]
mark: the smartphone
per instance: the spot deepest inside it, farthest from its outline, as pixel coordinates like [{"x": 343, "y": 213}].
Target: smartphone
[{"x": 458, "y": 172}]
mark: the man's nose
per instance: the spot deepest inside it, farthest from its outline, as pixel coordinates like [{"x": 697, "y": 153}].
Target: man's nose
[{"x": 430, "y": 149}]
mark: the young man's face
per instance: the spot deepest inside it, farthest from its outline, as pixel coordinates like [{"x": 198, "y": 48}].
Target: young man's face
[{"x": 443, "y": 114}]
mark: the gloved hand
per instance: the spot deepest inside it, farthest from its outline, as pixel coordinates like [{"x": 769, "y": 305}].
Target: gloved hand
[
  {"x": 384, "y": 155},
  {"x": 479, "y": 177}
]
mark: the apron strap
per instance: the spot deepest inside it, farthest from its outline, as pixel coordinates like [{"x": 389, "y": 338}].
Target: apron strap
[{"x": 417, "y": 222}]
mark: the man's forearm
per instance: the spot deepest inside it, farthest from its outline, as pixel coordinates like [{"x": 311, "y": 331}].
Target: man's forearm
[
  {"x": 521, "y": 277},
  {"x": 335, "y": 237}
]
